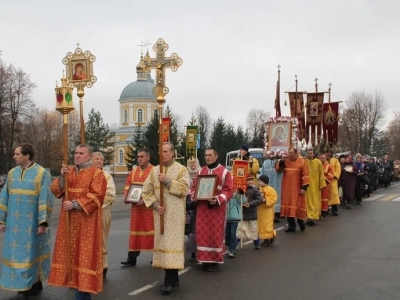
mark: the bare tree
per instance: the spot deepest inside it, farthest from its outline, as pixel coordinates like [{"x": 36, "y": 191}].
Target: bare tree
[
  {"x": 255, "y": 122},
  {"x": 204, "y": 120},
  {"x": 392, "y": 132},
  {"x": 43, "y": 129},
  {"x": 15, "y": 103},
  {"x": 360, "y": 118}
]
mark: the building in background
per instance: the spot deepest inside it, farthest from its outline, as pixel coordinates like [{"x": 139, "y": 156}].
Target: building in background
[{"x": 137, "y": 105}]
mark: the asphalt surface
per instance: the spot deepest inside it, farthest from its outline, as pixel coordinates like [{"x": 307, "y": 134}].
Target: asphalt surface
[{"x": 353, "y": 256}]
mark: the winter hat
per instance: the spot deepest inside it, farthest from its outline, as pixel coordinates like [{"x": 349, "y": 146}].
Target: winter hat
[
  {"x": 245, "y": 148},
  {"x": 264, "y": 178}
]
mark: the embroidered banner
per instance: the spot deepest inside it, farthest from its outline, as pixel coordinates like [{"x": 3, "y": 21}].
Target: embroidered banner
[
  {"x": 165, "y": 124},
  {"x": 330, "y": 122},
  {"x": 314, "y": 105},
  {"x": 297, "y": 111},
  {"x": 191, "y": 134},
  {"x": 240, "y": 170}
]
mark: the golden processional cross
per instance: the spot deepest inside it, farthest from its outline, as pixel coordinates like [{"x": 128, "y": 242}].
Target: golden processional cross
[{"x": 160, "y": 63}]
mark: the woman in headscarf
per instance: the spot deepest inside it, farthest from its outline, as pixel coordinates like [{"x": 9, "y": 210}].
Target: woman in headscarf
[
  {"x": 348, "y": 180},
  {"x": 361, "y": 179}
]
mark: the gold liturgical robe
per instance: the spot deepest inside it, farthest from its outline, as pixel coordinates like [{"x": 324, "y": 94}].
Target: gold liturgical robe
[
  {"x": 313, "y": 193},
  {"x": 334, "y": 188},
  {"x": 168, "y": 250}
]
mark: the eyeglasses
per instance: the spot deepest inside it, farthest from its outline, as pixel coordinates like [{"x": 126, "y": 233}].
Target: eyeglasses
[{"x": 141, "y": 156}]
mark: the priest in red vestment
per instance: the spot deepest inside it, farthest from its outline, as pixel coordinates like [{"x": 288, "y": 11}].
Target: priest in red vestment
[
  {"x": 294, "y": 185},
  {"x": 141, "y": 236},
  {"x": 211, "y": 214},
  {"x": 86, "y": 191}
]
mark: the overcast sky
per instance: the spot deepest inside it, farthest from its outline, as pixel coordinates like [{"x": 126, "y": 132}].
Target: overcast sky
[{"x": 230, "y": 49}]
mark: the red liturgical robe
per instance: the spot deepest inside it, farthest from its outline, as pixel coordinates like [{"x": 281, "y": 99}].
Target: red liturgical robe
[
  {"x": 210, "y": 220},
  {"x": 142, "y": 221}
]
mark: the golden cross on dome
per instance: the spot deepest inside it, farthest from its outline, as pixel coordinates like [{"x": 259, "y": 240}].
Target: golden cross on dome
[{"x": 77, "y": 45}]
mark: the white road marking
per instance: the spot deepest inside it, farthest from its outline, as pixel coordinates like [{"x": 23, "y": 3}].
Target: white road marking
[
  {"x": 151, "y": 285},
  {"x": 145, "y": 288},
  {"x": 374, "y": 197},
  {"x": 396, "y": 199},
  {"x": 184, "y": 270}
]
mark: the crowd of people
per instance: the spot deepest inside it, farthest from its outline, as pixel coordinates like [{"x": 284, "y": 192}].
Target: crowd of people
[{"x": 302, "y": 189}]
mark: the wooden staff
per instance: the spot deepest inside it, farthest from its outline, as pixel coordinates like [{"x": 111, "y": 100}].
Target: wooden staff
[
  {"x": 241, "y": 221},
  {"x": 160, "y": 150},
  {"x": 65, "y": 159},
  {"x": 64, "y": 105}
]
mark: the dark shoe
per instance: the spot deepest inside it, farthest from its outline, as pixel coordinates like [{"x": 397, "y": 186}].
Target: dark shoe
[
  {"x": 276, "y": 220},
  {"x": 231, "y": 254},
  {"x": 257, "y": 247},
  {"x": 205, "y": 266},
  {"x": 166, "y": 289},
  {"x": 266, "y": 243},
  {"x": 271, "y": 241},
  {"x": 212, "y": 267},
  {"x": 302, "y": 227},
  {"x": 335, "y": 213},
  {"x": 37, "y": 287},
  {"x": 104, "y": 272},
  {"x": 129, "y": 262},
  {"x": 310, "y": 223},
  {"x": 176, "y": 283},
  {"x": 290, "y": 230},
  {"x": 348, "y": 205}
]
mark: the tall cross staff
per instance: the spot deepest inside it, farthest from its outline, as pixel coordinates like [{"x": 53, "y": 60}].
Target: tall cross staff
[
  {"x": 160, "y": 63},
  {"x": 65, "y": 105}
]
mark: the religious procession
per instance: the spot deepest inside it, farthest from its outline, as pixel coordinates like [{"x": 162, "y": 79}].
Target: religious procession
[{"x": 209, "y": 211}]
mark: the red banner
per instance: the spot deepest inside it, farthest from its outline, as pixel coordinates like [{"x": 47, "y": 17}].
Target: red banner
[
  {"x": 240, "y": 170},
  {"x": 314, "y": 105},
  {"x": 330, "y": 122},
  {"x": 165, "y": 124},
  {"x": 297, "y": 111}
]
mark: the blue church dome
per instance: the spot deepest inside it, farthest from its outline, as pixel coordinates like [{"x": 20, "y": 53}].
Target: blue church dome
[{"x": 140, "y": 89}]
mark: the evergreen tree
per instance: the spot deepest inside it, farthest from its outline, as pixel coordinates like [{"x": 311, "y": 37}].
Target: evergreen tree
[
  {"x": 173, "y": 133},
  {"x": 204, "y": 122},
  {"x": 151, "y": 138},
  {"x": 241, "y": 137},
  {"x": 136, "y": 144},
  {"x": 230, "y": 139},
  {"x": 99, "y": 136},
  {"x": 217, "y": 139}
]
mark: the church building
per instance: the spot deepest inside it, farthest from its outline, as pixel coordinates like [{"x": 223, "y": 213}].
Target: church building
[{"x": 137, "y": 104}]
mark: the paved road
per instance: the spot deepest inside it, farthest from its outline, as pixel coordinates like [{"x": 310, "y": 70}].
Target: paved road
[{"x": 353, "y": 256}]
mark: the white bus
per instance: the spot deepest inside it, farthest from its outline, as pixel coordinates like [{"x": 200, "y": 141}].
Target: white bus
[{"x": 255, "y": 152}]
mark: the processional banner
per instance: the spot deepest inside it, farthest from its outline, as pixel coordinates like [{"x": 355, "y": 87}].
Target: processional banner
[
  {"x": 166, "y": 122},
  {"x": 330, "y": 122},
  {"x": 314, "y": 105},
  {"x": 191, "y": 137},
  {"x": 297, "y": 111},
  {"x": 240, "y": 170}
]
